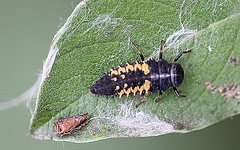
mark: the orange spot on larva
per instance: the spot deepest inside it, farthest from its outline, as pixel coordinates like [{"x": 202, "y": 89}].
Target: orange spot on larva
[
  {"x": 135, "y": 89},
  {"x": 147, "y": 85},
  {"x": 121, "y": 93},
  {"x": 114, "y": 79},
  {"x": 141, "y": 89},
  {"x": 123, "y": 76},
  {"x": 138, "y": 66},
  {"x": 128, "y": 91},
  {"x": 122, "y": 69},
  {"x": 117, "y": 88},
  {"x": 114, "y": 72},
  {"x": 145, "y": 69},
  {"x": 129, "y": 67}
]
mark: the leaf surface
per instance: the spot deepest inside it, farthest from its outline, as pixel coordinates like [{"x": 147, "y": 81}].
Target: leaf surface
[{"x": 97, "y": 36}]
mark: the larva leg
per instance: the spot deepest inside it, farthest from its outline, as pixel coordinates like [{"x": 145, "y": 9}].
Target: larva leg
[
  {"x": 139, "y": 52},
  {"x": 159, "y": 97}
]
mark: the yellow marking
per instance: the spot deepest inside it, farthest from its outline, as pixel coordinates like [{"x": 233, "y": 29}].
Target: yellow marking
[
  {"x": 125, "y": 85},
  {"x": 129, "y": 67},
  {"x": 145, "y": 68},
  {"x": 141, "y": 89},
  {"x": 128, "y": 91},
  {"x": 146, "y": 85},
  {"x": 135, "y": 90},
  {"x": 123, "y": 76},
  {"x": 122, "y": 69},
  {"x": 117, "y": 87},
  {"x": 121, "y": 93},
  {"x": 114, "y": 79},
  {"x": 138, "y": 66},
  {"x": 114, "y": 72}
]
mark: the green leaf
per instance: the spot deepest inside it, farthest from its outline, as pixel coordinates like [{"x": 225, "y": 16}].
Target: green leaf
[{"x": 97, "y": 36}]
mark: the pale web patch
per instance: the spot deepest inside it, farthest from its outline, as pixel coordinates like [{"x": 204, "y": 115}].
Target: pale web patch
[{"x": 140, "y": 124}]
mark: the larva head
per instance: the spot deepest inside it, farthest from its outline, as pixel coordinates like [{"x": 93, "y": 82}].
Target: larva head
[{"x": 177, "y": 74}]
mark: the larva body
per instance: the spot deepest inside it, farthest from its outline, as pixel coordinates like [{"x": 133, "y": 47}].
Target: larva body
[{"x": 141, "y": 77}]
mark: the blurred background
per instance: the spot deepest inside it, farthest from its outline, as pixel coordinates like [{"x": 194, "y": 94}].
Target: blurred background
[{"x": 26, "y": 31}]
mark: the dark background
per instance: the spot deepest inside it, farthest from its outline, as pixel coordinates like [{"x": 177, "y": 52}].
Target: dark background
[{"x": 26, "y": 31}]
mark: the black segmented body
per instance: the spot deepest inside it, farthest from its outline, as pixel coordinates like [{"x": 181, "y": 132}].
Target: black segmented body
[
  {"x": 162, "y": 76},
  {"x": 141, "y": 77}
]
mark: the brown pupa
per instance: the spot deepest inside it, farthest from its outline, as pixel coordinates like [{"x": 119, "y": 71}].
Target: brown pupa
[{"x": 65, "y": 125}]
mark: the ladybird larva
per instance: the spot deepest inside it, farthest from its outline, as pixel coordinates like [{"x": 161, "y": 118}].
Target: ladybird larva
[{"x": 142, "y": 76}]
